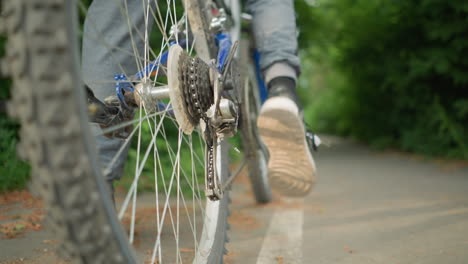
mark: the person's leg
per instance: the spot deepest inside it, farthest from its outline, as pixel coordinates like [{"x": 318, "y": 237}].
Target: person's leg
[
  {"x": 291, "y": 167},
  {"x": 274, "y": 28},
  {"x": 108, "y": 49}
]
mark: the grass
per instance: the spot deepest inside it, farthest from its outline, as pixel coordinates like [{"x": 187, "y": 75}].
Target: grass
[
  {"x": 14, "y": 173},
  {"x": 160, "y": 162}
]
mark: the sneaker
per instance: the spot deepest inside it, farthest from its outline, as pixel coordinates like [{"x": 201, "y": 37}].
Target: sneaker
[{"x": 291, "y": 167}]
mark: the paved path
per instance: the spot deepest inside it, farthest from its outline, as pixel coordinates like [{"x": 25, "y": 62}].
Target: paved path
[{"x": 367, "y": 207}]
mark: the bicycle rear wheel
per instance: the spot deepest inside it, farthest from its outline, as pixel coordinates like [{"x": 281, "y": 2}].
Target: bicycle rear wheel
[
  {"x": 256, "y": 155},
  {"x": 49, "y": 100}
]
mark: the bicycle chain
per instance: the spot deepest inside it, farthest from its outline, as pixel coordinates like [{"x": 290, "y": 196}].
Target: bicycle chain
[{"x": 198, "y": 97}]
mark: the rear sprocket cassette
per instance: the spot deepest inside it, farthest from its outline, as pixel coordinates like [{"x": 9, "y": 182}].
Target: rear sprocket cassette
[{"x": 190, "y": 88}]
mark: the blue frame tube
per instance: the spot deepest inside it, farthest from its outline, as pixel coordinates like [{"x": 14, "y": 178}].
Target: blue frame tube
[{"x": 224, "y": 44}]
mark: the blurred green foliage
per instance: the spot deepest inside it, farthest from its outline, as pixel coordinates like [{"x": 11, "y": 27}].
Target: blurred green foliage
[
  {"x": 390, "y": 73},
  {"x": 14, "y": 173},
  {"x": 163, "y": 162}
]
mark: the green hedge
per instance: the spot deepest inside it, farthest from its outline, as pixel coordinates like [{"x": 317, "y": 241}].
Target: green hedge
[
  {"x": 395, "y": 73},
  {"x": 14, "y": 173}
]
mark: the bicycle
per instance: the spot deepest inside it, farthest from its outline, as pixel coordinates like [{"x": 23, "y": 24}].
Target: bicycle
[{"x": 199, "y": 56}]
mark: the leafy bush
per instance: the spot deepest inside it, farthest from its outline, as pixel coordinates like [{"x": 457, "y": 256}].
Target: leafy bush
[
  {"x": 14, "y": 173},
  {"x": 164, "y": 159},
  {"x": 395, "y": 71}
]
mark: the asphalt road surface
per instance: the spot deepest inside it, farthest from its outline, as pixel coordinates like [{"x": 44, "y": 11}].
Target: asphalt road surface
[{"x": 368, "y": 207}]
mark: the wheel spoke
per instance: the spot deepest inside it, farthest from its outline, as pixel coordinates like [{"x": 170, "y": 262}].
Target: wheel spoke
[
  {"x": 139, "y": 169},
  {"x": 158, "y": 146}
]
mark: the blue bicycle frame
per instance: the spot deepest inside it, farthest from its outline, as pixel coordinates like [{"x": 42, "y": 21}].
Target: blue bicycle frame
[{"x": 224, "y": 44}]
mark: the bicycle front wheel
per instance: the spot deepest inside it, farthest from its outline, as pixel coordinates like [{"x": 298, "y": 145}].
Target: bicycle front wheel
[{"x": 164, "y": 181}]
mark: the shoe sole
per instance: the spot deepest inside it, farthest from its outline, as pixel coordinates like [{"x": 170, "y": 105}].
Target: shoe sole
[{"x": 291, "y": 168}]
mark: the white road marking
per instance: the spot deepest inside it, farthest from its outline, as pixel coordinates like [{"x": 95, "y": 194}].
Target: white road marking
[{"x": 284, "y": 237}]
